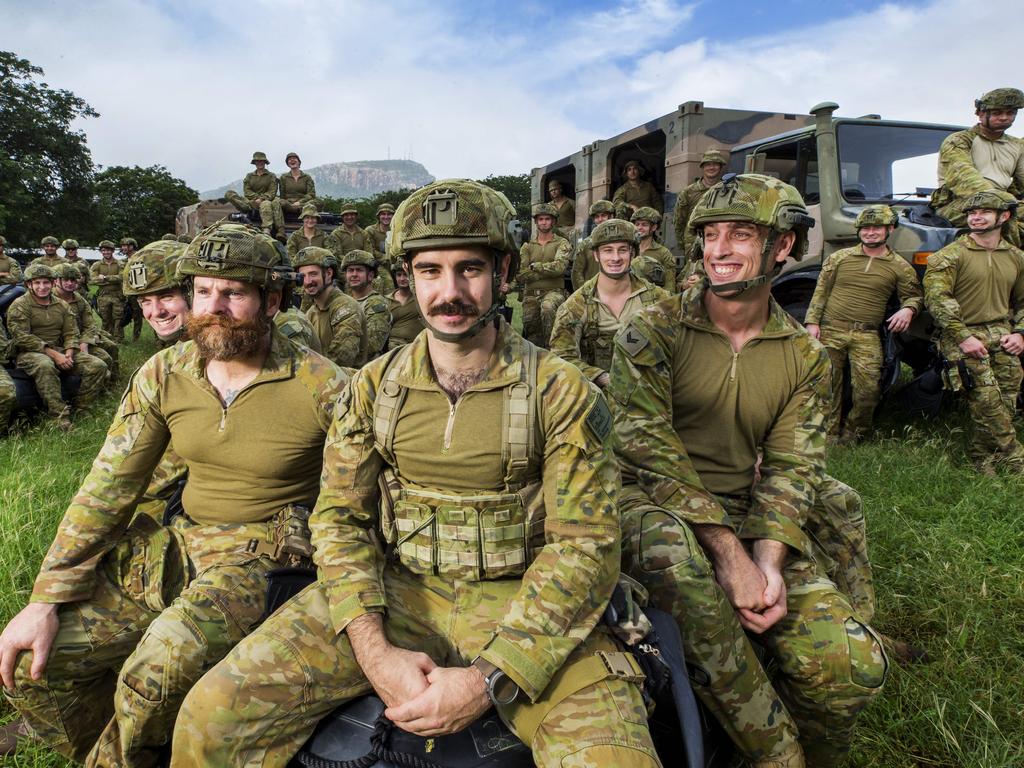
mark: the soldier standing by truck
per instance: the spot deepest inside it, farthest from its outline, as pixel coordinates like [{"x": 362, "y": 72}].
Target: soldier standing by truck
[
  {"x": 712, "y": 163},
  {"x": 974, "y": 288},
  {"x": 541, "y": 275},
  {"x": 847, "y": 310},
  {"x": 259, "y": 190}
]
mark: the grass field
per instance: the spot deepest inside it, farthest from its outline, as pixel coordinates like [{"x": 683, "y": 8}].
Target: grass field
[{"x": 947, "y": 547}]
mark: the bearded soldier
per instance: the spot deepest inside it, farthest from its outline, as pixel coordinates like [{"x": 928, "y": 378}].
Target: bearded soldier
[
  {"x": 524, "y": 449},
  {"x": 706, "y": 384},
  {"x": 336, "y": 317},
  {"x": 974, "y": 288},
  {"x": 586, "y": 324},
  {"x": 125, "y": 618},
  {"x": 847, "y": 310}
]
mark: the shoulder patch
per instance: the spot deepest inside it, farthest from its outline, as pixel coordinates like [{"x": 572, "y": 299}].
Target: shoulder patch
[
  {"x": 632, "y": 340},
  {"x": 599, "y": 420},
  {"x": 340, "y": 314}
]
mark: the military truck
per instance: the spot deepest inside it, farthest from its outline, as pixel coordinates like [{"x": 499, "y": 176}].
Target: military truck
[
  {"x": 838, "y": 164},
  {"x": 193, "y": 218}
]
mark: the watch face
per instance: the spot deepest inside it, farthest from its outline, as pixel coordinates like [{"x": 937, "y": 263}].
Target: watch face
[{"x": 503, "y": 688}]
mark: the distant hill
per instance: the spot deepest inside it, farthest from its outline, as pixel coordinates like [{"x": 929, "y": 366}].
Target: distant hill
[{"x": 362, "y": 178}]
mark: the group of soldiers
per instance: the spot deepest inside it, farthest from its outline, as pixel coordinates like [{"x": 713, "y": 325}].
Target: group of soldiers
[{"x": 670, "y": 448}]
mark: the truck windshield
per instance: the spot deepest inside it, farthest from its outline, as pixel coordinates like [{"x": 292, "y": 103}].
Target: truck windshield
[{"x": 882, "y": 162}]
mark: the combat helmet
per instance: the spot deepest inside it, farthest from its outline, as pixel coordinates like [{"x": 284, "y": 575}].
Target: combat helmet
[
  {"x": 315, "y": 256},
  {"x": 258, "y": 156},
  {"x": 235, "y": 251},
  {"x": 713, "y": 156},
  {"x": 153, "y": 269},
  {"x": 290, "y": 155},
  {"x": 759, "y": 199},
  {"x": 349, "y": 208},
  {"x": 601, "y": 206},
  {"x": 130, "y": 241},
  {"x": 50, "y": 240},
  {"x": 106, "y": 244},
  {"x": 646, "y": 213},
  {"x": 359, "y": 258},
  {"x": 66, "y": 271},
  {"x": 1000, "y": 98},
  {"x": 990, "y": 199},
  {"x": 456, "y": 213},
  {"x": 385, "y": 208},
  {"x": 309, "y": 209},
  {"x": 543, "y": 209},
  {"x": 614, "y": 231},
  {"x": 37, "y": 270},
  {"x": 69, "y": 245},
  {"x": 877, "y": 216}
]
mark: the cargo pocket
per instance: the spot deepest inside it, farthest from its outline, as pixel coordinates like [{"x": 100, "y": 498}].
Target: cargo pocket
[
  {"x": 869, "y": 665},
  {"x": 503, "y": 538},
  {"x": 458, "y": 547},
  {"x": 415, "y": 526},
  {"x": 149, "y": 563}
]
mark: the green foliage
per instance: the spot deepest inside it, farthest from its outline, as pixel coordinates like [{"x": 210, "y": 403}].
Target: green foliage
[
  {"x": 517, "y": 190},
  {"x": 367, "y": 206},
  {"x": 45, "y": 166},
  {"x": 139, "y": 202}
]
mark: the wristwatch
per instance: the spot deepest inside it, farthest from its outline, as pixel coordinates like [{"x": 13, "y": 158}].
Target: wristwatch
[{"x": 501, "y": 689}]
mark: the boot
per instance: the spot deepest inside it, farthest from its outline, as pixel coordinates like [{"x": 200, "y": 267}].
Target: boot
[
  {"x": 903, "y": 653},
  {"x": 792, "y": 757},
  {"x": 13, "y": 735},
  {"x": 63, "y": 419}
]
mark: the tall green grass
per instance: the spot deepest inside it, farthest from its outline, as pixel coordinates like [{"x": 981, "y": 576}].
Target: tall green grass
[{"x": 947, "y": 546}]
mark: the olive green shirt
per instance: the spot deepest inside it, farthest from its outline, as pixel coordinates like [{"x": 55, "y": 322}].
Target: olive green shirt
[
  {"x": 263, "y": 185},
  {"x": 542, "y": 266},
  {"x": 629, "y": 197},
  {"x": 379, "y": 235},
  {"x": 12, "y": 268},
  {"x": 566, "y": 214},
  {"x": 685, "y": 204},
  {"x": 48, "y": 261},
  {"x": 340, "y": 327},
  {"x": 584, "y": 265},
  {"x": 855, "y": 288},
  {"x": 341, "y": 241},
  {"x": 38, "y": 326},
  {"x": 967, "y": 285},
  {"x": 297, "y": 240},
  {"x": 406, "y": 321},
  {"x": 85, "y": 321},
  {"x": 106, "y": 275},
  {"x": 246, "y": 461},
  {"x": 298, "y": 191}
]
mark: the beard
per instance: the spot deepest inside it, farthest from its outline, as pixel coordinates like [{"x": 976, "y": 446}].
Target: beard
[{"x": 218, "y": 337}]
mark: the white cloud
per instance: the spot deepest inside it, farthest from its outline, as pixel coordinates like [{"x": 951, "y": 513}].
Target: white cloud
[{"x": 197, "y": 86}]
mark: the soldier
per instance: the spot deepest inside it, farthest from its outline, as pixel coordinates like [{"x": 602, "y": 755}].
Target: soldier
[
  {"x": 451, "y": 621},
  {"x": 655, "y": 263},
  {"x": 982, "y": 158},
  {"x": 123, "y": 622},
  {"x": 308, "y": 234},
  {"x": 705, "y": 383},
  {"x": 106, "y": 274},
  {"x": 10, "y": 269},
  {"x": 565, "y": 221},
  {"x": 712, "y": 163},
  {"x": 379, "y": 232},
  {"x": 129, "y": 245},
  {"x": 847, "y": 310},
  {"x": 974, "y": 288},
  {"x": 8, "y": 394},
  {"x": 349, "y": 236},
  {"x": 541, "y": 277},
  {"x": 360, "y": 270},
  {"x": 151, "y": 279},
  {"x": 406, "y": 320},
  {"x": 635, "y": 192},
  {"x": 259, "y": 190},
  {"x": 584, "y": 265},
  {"x": 49, "y": 257},
  {"x": 91, "y": 338},
  {"x": 71, "y": 257},
  {"x": 46, "y": 340},
  {"x": 586, "y": 324},
  {"x": 335, "y": 316},
  {"x": 297, "y": 190},
  {"x": 296, "y": 327}
]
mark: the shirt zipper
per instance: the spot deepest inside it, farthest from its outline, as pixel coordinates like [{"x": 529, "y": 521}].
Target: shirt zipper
[
  {"x": 450, "y": 427},
  {"x": 732, "y": 368}
]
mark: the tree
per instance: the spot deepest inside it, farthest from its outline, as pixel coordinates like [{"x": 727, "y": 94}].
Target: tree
[
  {"x": 517, "y": 190},
  {"x": 139, "y": 202},
  {"x": 45, "y": 166}
]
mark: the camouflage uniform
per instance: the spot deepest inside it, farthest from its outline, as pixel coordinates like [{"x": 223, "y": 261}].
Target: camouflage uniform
[
  {"x": 8, "y": 394},
  {"x": 629, "y": 196},
  {"x": 971, "y": 291},
  {"x": 297, "y": 240},
  {"x": 585, "y": 329},
  {"x": 10, "y": 269},
  {"x": 106, "y": 274},
  {"x": 685, "y": 238},
  {"x": 678, "y": 383},
  {"x": 654, "y": 263},
  {"x": 849, "y": 304},
  {"x": 34, "y": 327},
  {"x": 79, "y": 264},
  {"x": 379, "y": 233},
  {"x": 340, "y": 327},
  {"x": 100, "y": 344},
  {"x": 383, "y": 284},
  {"x": 406, "y": 321},
  {"x": 542, "y": 282},
  {"x": 296, "y": 326},
  {"x": 257, "y": 185},
  {"x": 153, "y": 270},
  {"x": 145, "y": 613},
  {"x": 342, "y": 241},
  {"x": 584, "y": 266},
  {"x": 376, "y": 309}
]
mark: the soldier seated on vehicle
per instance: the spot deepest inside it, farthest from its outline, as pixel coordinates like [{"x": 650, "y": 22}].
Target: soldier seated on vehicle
[
  {"x": 584, "y": 265},
  {"x": 983, "y": 158},
  {"x": 10, "y": 269},
  {"x": 45, "y": 337},
  {"x": 259, "y": 190},
  {"x": 91, "y": 338},
  {"x": 586, "y": 324},
  {"x": 704, "y": 383},
  {"x": 636, "y": 192},
  {"x": 565, "y": 221},
  {"x": 151, "y": 279},
  {"x": 847, "y": 310},
  {"x": 297, "y": 189},
  {"x": 654, "y": 262},
  {"x": 308, "y": 234},
  {"x": 336, "y": 317},
  {"x": 974, "y": 288},
  {"x": 126, "y": 614},
  {"x": 360, "y": 270},
  {"x": 464, "y": 614}
]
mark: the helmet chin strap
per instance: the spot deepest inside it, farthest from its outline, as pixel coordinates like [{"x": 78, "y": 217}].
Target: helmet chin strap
[
  {"x": 993, "y": 228},
  {"x": 739, "y": 287}
]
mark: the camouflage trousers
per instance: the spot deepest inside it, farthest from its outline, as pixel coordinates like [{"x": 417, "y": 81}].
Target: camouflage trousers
[
  {"x": 109, "y": 357},
  {"x": 8, "y": 399},
  {"x": 863, "y": 349},
  {"x": 267, "y": 210},
  {"x": 259, "y": 705},
  {"x": 111, "y": 309},
  {"x": 539, "y": 308},
  {"x": 992, "y": 402},
  {"x": 830, "y": 663},
  {"x": 46, "y": 375},
  {"x": 169, "y": 603}
]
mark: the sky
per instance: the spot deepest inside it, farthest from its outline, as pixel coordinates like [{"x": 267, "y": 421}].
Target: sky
[{"x": 476, "y": 88}]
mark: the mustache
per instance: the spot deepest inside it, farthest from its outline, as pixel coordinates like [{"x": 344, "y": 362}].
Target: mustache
[{"x": 453, "y": 308}]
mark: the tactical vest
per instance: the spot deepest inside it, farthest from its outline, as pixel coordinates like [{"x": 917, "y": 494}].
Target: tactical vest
[
  {"x": 466, "y": 537},
  {"x": 595, "y": 348}
]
